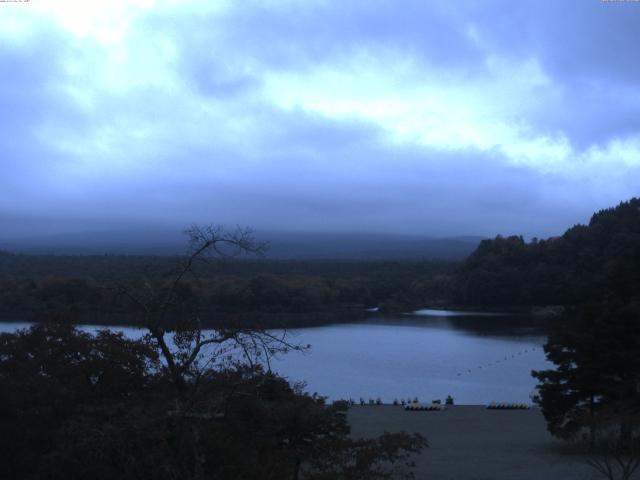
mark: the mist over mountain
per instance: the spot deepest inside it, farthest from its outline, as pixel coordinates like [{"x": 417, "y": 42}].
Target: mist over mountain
[
  {"x": 369, "y": 246},
  {"x": 282, "y": 245}
]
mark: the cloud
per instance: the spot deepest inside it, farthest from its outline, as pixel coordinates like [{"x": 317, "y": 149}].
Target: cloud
[{"x": 410, "y": 116}]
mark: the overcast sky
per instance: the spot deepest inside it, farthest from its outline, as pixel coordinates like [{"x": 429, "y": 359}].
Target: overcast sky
[{"x": 426, "y": 117}]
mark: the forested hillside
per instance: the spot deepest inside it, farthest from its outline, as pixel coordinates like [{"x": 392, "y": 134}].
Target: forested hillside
[{"x": 588, "y": 261}]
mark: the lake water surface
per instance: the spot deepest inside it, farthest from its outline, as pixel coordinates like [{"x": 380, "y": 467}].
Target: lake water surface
[{"x": 476, "y": 358}]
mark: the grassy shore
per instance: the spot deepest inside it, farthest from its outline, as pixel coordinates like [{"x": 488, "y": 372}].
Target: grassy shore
[{"x": 469, "y": 442}]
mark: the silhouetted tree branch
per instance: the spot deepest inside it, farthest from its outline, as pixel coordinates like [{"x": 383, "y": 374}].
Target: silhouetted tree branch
[{"x": 155, "y": 304}]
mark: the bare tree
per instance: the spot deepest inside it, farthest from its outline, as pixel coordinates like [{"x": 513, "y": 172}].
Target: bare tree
[
  {"x": 187, "y": 349},
  {"x": 183, "y": 343}
]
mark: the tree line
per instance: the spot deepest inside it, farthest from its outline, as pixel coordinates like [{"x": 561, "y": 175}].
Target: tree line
[{"x": 281, "y": 293}]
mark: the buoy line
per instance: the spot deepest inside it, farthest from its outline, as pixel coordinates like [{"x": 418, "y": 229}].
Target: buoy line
[{"x": 496, "y": 362}]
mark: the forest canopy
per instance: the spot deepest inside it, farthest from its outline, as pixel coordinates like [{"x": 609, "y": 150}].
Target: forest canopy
[
  {"x": 585, "y": 262},
  {"x": 80, "y": 288}
]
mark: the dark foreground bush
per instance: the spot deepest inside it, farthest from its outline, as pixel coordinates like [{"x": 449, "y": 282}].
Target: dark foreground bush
[{"x": 80, "y": 406}]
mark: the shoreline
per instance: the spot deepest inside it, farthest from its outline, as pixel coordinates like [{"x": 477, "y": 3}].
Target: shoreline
[{"x": 538, "y": 315}]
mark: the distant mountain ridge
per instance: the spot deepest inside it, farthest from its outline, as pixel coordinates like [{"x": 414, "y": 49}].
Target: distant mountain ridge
[{"x": 282, "y": 245}]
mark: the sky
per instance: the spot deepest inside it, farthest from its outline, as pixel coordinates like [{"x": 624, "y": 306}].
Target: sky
[{"x": 433, "y": 118}]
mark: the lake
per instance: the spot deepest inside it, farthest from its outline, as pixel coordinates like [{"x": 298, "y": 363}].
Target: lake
[{"x": 475, "y": 357}]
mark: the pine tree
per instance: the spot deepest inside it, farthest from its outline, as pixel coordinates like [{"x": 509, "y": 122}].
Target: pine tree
[{"x": 597, "y": 358}]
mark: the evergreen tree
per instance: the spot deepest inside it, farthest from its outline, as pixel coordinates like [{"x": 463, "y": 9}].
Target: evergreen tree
[{"x": 597, "y": 358}]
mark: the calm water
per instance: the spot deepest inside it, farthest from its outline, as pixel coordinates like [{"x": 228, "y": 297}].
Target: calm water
[{"x": 475, "y": 358}]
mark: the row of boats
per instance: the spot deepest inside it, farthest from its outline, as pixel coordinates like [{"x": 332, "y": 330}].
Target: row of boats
[
  {"x": 508, "y": 406},
  {"x": 425, "y": 406},
  {"x": 415, "y": 406}
]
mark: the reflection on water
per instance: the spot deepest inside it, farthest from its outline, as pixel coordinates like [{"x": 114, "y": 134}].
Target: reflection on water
[
  {"x": 476, "y": 359},
  {"x": 430, "y": 312},
  {"x": 486, "y": 324}
]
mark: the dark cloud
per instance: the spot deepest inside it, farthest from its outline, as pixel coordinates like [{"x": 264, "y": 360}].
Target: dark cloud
[
  {"x": 587, "y": 50},
  {"x": 291, "y": 34},
  {"x": 592, "y": 113},
  {"x": 585, "y": 47}
]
